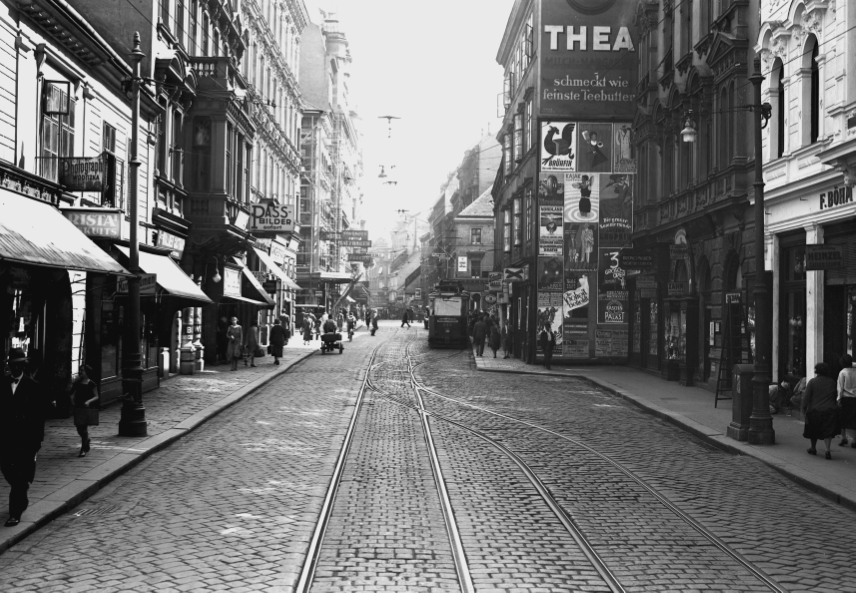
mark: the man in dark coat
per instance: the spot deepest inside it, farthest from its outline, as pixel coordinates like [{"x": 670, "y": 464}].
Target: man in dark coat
[
  {"x": 277, "y": 340},
  {"x": 406, "y": 318},
  {"x": 479, "y": 335},
  {"x": 23, "y": 408},
  {"x": 547, "y": 341}
]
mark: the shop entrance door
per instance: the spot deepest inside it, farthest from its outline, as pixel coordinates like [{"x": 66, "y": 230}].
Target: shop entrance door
[{"x": 835, "y": 324}]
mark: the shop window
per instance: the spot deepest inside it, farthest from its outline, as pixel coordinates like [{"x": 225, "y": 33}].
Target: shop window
[
  {"x": 792, "y": 313},
  {"x": 506, "y": 154},
  {"x": 108, "y": 138}
]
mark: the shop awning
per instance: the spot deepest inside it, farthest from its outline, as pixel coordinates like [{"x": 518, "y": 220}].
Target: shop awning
[
  {"x": 37, "y": 234},
  {"x": 170, "y": 277},
  {"x": 264, "y": 299},
  {"x": 237, "y": 299},
  {"x": 274, "y": 269},
  {"x": 332, "y": 277}
]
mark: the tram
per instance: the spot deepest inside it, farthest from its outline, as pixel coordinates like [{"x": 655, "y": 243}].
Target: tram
[{"x": 448, "y": 305}]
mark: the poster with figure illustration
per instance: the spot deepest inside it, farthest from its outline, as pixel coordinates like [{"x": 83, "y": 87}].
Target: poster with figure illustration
[
  {"x": 551, "y": 189},
  {"x": 582, "y": 198},
  {"x": 550, "y": 274},
  {"x": 550, "y": 314},
  {"x": 616, "y": 209},
  {"x": 558, "y": 146},
  {"x": 595, "y": 145},
  {"x": 581, "y": 242},
  {"x": 550, "y": 235},
  {"x": 624, "y": 159}
]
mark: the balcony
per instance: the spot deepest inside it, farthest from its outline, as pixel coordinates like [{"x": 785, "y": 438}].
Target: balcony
[{"x": 217, "y": 73}]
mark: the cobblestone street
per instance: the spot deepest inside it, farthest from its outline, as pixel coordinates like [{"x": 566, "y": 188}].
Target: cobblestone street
[{"x": 541, "y": 483}]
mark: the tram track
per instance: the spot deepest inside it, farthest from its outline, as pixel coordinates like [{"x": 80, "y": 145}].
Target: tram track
[{"x": 560, "y": 512}]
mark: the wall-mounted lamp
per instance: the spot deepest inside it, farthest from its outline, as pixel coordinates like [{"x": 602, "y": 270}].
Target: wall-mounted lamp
[{"x": 689, "y": 133}]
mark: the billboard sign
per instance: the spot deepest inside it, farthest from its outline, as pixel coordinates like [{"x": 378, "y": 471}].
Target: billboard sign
[
  {"x": 270, "y": 218},
  {"x": 585, "y": 67}
]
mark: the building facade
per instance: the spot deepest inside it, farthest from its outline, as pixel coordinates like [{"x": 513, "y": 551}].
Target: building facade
[
  {"x": 330, "y": 191},
  {"x": 807, "y": 52},
  {"x": 474, "y": 253}
]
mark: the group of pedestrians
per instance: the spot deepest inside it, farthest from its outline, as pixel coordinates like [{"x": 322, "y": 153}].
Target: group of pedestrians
[
  {"x": 829, "y": 406},
  {"x": 248, "y": 349},
  {"x": 486, "y": 329}
]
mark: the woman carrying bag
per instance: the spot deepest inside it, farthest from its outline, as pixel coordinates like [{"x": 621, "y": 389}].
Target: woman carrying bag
[{"x": 84, "y": 401}]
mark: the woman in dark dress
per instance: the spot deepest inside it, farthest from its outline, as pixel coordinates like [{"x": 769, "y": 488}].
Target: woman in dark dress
[
  {"x": 820, "y": 408},
  {"x": 494, "y": 341},
  {"x": 84, "y": 394}
]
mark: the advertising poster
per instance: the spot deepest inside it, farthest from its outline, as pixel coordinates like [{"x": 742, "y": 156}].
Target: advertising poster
[
  {"x": 549, "y": 274},
  {"x": 558, "y": 146},
  {"x": 550, "y": 313},
  {"x": 576, "y": 295},
  {"x": 616, "y": 209},
  {"x": 624, "y": 155},
  {"x": 581, "y": 197},
  {"x": 595, "y": 143},
  {"x": 551, "y": 189},
  {"x": 550, "y": 236},
  {"x": 584, "y": 58},
  {"x": 575, "y": 341},
  {"x": 610, "y": 342},
  {"x": 611, "y": 289},
  {"x": 581, "y": 242}
]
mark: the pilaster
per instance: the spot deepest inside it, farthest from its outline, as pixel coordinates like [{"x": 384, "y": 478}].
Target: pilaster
[{"x": 814, "y": 305}]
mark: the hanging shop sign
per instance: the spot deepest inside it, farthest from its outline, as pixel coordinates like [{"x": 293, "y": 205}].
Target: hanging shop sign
[
  {"x": 82, "y": 173},
  {"x": 583, "y": 54},
  {"x": 676, "y": 288},
  {"x": 824, "y": 257},
  {"x": 354, "y": 243},
  {"x": 514, "y": 274},
  {"x": 732, "y": 297},
  {"x": 270, "y": 218},
  {"x": 96, "y": 223},
  {"x": 495, "y": 282},
  {"x": 232, "y": 282},
  {"x": 355, "y": 235},
  {"x": 148, "y": 285}
]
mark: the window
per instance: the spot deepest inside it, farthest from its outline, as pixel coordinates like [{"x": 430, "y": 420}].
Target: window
[
  {"x": 205, "y": 34},
  {"x": 518, "y": 220},
  {"x": 814, "y": 132},
  {"x": 476, "y": 236},
  {"x": 176, "y": 155},
  {"x": 475, "y": 268},
  {"x": 57, "y": 132},
  {"x": 108, "y": 138},
  {"x": 506, "y": 235},
  {"x": 506, "y": 154},
  {"x": 528, "y": 214},
  {"x": 781, "y": 105},
  {"x": 179, "y": 22},
  {"x": 723, "y": 129},
  {"x": 193, "y": 29},
  {"x": 229, "y": 151},
  {"x": 530, "y": 130},
  {"x": 518, "y": 135}
]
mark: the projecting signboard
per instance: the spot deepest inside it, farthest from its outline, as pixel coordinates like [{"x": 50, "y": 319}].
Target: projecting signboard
[
  {"x": 824, "y": 257},
  {"x": 636, "y": 260},
  {"x": 354, "y": 243},
  {"x": 270, "y": 218},
  {"x": 358, "y": 235},
  {"x": 148, "y": 283}
]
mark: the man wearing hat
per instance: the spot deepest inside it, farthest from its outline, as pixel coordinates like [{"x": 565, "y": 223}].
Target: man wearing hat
[{"x": 23, "y": 408}]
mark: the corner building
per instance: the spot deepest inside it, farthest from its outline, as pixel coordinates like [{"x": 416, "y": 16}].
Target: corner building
[{"x": 563, "y": 195}]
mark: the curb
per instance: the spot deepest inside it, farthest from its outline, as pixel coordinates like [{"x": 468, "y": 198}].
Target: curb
[
  {"x": 83, "y": 487},
  {"x": 714, "y": 437}
]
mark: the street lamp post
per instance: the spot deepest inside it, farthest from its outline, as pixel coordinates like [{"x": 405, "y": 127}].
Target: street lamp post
[
  {"x": 761, "y": 422},
  {"x": 132, "y": 422}
]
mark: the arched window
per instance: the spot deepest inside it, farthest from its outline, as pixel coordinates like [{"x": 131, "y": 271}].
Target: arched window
[
  {"x": 815, "y": 94},
  {"x": 781, "y": 103}
]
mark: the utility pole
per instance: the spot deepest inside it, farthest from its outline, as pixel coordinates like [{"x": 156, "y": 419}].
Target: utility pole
[{"x": 133, "y": 419}]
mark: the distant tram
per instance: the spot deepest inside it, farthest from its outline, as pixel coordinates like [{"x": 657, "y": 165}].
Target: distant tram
[{"x": 448, "y": 305}]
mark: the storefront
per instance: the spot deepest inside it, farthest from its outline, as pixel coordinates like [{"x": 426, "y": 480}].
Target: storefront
[
  {"x": 45, "y": 266},
  {"x": 814, "y": 276}
]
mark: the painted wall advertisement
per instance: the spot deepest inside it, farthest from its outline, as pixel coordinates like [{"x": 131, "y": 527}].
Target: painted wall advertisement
[
  {"x": 585, "y": 200},
  {"x": 584, "y": 47}
]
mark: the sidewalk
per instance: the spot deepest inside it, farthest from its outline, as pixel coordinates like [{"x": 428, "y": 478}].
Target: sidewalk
[
  {"x": 180, "y": 405},
  {"x": 691, "y": 408}
]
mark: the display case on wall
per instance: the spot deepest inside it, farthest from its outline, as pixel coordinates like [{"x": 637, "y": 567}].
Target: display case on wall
[{"x": 681, "y": 338}]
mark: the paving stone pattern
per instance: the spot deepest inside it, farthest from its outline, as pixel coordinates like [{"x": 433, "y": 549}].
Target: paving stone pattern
[
  {"x": 788, "y": 532},
  {"x": 229, "y": 508}
]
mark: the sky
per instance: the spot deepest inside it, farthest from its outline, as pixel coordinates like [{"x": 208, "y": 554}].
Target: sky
[{"x": 432, "y": 64}]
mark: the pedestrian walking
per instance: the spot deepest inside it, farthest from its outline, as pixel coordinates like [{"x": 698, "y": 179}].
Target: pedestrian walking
[
  {"x": 308, "y": 326},
  {"x": 506, "y": 340},
  {"x": 405, "y": 319},
  {"x": 235, "y": 350},
  {"x": 547, "y": 340},
  {"x": 340, "y": 321},
  {"x": 479, "y": 335},
  {"x": 23, "y": 408},
  {"x": 847, "y": 399},
  {"x": 495, "y": 340},
  {"x": 278, "y": 339},
  {"x": 374, "y": 321},
  {"x": 820, "y": 408},
  {"x": 84, "y": 401},
  {"x": 252, "y": 344}
]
